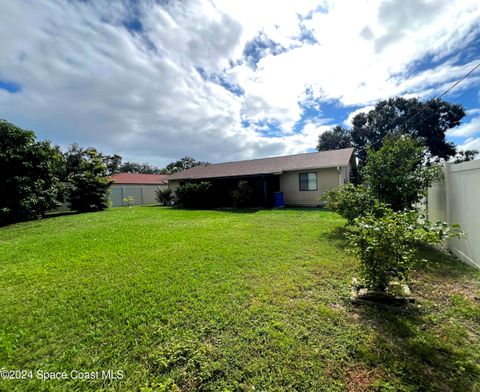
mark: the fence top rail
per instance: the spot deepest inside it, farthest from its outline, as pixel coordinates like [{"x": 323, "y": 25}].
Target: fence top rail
[{"x": 470, "y": 165}]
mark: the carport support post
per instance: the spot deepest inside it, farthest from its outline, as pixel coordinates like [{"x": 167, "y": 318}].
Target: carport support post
[{"x": 265, "y": 189}]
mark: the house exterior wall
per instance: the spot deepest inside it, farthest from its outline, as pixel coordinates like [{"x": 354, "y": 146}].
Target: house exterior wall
[
  {"x": 326, "y": 179},
  {"x": 173, "y": 184},
  {"x": 143, "y": 194}
]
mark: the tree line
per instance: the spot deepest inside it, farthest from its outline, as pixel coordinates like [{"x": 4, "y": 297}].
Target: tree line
[
  {"x": 425, "y": 121},
  {"x": 37, "y": 177}
]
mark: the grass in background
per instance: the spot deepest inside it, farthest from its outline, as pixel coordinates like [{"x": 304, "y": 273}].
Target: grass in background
[{"x": 223, "y": 300}]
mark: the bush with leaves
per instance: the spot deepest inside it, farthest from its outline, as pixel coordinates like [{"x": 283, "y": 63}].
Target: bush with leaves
[
  {"x": 385, "y": 243},
  {"x": 90, "y": 189},
  {"x": 349, "y": 201},
  {"x": 194, "y": 195},
  {"x": 396, "y": 174},
  {"x": 242, "y": 195},
  {"x": 29, "y": 172},
  {"x": 164, "y": 196}
]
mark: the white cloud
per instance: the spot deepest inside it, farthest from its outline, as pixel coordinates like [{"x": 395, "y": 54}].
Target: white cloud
[
  {"x": 467, "y": 129},
  {"x": 470, "y": 144},
  {"x": 154, "y": 95},
  {"x": 348, "y": 120}
]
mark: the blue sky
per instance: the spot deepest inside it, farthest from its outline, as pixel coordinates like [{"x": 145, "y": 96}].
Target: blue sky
[{"x": 224, "y": 80}]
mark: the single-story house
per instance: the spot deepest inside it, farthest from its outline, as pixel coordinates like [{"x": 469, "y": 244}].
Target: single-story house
[
  {"x": 302, "y": 178},
  {"x": 141, "y": 187}
]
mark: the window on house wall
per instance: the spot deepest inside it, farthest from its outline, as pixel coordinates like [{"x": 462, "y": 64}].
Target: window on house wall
[{"x": 308, "y": 181}]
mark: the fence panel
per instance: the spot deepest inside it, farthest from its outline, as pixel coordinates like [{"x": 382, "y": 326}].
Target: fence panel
[{"x": 457, "y": 200}]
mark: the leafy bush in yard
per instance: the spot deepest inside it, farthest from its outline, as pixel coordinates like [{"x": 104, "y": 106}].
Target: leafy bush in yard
[
  {"x": 90, "y": 185},
  {"x": 128, "y": 201},
  {"x": 396, "y": 174},
  {"x": 194, "y": 195},
  {"x": 349, "y": 201},
  {"x": 242, "y": 195},
  {"x": 29, "y": 172},
  {"x": 164, "y": 196},
  {"x": 385, "y": 243}
]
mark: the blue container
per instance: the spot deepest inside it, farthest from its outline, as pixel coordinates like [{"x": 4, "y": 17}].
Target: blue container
[{"x": 278, "y": 200}]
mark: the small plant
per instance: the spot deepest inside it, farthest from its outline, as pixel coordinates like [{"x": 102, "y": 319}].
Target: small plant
[
  {"x": 386, "y": 243},
  {"x": 128, "y": 201},
  {"x": 194, "y": 195},
  {"x": 349, "y": 201},
  {"x": 164, "y": 196},
  {"x": 242, "y": 195}
]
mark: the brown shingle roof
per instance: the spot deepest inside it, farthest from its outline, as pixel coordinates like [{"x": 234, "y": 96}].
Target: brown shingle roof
[
  {"x": 312, "y": 160},
  {"x": 137, "y": 178}
]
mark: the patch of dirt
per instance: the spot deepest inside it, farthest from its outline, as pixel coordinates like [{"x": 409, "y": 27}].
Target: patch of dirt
[
  {"x": 442, "y": 289},
  {"x": 360, "y": 379}
]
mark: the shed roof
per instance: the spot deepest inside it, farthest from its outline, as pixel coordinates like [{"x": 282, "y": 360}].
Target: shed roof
[
  {"x": 138, "y": 178},
  {"x": 272, "y": 165}
]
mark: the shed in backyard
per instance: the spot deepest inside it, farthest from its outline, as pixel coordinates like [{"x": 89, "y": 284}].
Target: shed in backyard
[{"x": 141, "y": 187}]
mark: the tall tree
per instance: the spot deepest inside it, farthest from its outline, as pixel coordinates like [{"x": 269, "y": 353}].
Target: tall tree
[
  {"x": 428, "y": 120},
  {"x": 465, "y": 156},
  {"x": 143, "y": 168},
  {"x": 90, "y": 185},
  {"x": 183, "y": 164},
  {"x": 29, "y": 173},
  {"x": 113, "y": 162},
  {"x": 334, "y": 139},
  {"x": 75, "y": 154}
]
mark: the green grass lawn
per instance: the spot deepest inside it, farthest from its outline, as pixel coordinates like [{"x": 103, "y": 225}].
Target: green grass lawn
[{"x": 224, "y": 300}]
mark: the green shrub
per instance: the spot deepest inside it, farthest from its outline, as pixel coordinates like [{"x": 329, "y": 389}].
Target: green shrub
[
  {"x": 164, "y": 196},
  {"x": 29, "y": 172},
  {"x": 194, "y": 195},
  {"x": 128, "y": 201},
  {"x": 396, "y": 173},
  {"x": 242, "y": 195},
  {"x": 386, "y": 242},
  {"x": 90, "y": 189},
  {"x": 349, "y": 201}
]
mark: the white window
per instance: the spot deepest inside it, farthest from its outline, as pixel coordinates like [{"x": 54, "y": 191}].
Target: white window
[{"x": 308, "y": 181}]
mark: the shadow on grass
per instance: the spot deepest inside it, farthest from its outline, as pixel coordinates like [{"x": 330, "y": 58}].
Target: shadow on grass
[
  {"x": 413, "y": 353},
  {"x": 222, "y": 209},
  {"x": 426, "y": 347},
  {"x": 49, "y": 215},
  {"x": 338, "y": 236},
  {"x": 440, "y": 262}
]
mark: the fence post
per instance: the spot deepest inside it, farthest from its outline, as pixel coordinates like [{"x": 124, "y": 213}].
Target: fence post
[{"x": 447, "y": 192}]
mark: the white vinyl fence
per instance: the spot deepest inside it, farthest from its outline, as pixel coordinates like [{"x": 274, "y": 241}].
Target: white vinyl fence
[
  {"x": 142, "y": 194},
  {"x": 457, "y": 200}
]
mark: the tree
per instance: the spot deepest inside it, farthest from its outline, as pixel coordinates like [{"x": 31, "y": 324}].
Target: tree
[
  {"x": 113, "y": 162},
  {"x": 396, "y": 175},
  {"x": 183, "y": 164},
  {"x": 334, "y": 139},
  {"x": 29, "y": 172},
  {"x": 144, "y": 168},
  {"x": 465, "y": 156},
  {"x": 90, "y": 186},
  {"x": 75, "y": 154},
  {"x": 427, "y": 120}
]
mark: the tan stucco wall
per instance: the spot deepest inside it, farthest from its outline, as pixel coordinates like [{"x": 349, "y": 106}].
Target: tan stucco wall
[
  {"x": 289, "y": 185},
  {"x": 172, "y": 185}
]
